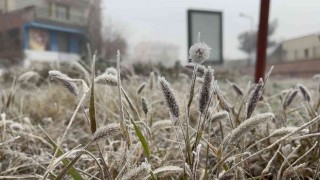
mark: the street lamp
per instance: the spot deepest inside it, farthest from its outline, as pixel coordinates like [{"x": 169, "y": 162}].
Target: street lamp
[{"x": 250, "y": 18}]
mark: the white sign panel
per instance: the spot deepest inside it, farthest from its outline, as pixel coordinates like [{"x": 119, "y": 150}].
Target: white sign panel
[{"x": 209, "y": 24}]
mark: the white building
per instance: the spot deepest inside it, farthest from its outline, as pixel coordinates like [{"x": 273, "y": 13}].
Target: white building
[{"x": 302, "y": 48}]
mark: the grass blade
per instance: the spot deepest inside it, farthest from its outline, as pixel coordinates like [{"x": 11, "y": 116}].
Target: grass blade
[
  {"x": 92, "y": 110},
  {"x": 72, "y": 171},
  {"x": 142, "y": 139}
]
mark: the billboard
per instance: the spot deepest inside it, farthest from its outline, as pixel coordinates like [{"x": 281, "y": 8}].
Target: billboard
[{"x": 209, "y": 24}]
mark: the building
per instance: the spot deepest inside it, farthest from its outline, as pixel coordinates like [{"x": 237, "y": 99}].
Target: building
[
  {"x": 42, "y": 30},
  {"x": 300, "y": 48}
]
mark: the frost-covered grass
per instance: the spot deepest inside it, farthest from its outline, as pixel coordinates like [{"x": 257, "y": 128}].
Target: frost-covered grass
[{"x": 102, "y": 126}]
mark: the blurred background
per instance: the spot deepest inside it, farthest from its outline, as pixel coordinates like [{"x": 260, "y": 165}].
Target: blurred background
[{"x": 153, "y": 33}]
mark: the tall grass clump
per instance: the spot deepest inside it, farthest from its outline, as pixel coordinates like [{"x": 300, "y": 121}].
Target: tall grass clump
[{"x": 114, "y": 126}]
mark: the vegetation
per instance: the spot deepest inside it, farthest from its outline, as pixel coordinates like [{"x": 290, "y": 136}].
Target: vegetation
[{"x": 102, "y": 126}]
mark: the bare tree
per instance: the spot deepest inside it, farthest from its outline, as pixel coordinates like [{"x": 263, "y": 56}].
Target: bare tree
[
  {"x": 248, "y": 40},
  {"x": 94, "y": 26},
  {"x": 103, "y": 36}
]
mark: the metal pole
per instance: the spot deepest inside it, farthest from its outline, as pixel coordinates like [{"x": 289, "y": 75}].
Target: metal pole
[{"x": 262, "y": 40}]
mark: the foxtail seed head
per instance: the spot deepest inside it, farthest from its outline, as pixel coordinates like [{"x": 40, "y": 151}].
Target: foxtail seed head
[
  {"x": 305, "y": 93},
  {"x": 169, "y": 96},
  {"x": 290, "y": 98},
  {"x": 140, "y": 172},
  {"x": 254, "y": 97},
  {"x": 107, "y": 79},
  {"x": 65, "y": 80},
  {"x": 248, "y": 125},
  {"x": 145, "y": 105},
  {"x": 206, "y": 89},
  {"x": 106, "y": 131}
]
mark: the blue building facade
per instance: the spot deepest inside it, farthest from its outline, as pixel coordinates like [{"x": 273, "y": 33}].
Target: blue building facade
[
  {"x": 48, "y": 36},
  {"x": 52, "y": 31}
]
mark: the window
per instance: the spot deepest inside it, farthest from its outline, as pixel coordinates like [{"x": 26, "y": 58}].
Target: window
[
  {"x": 51, "y": 8},
  {"x": 14, "y": 39},
  {"x": 63, "y": 42},
  {"x": 306, "y": 53},
  {"x": 295, "y": 54},
  {"x": 1, "y": 42},
  {"x": 62, "y": 11}
]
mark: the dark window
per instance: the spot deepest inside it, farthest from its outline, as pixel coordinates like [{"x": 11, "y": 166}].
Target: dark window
[
  {"x": 51, "y": 10},
  {"x": 306, "y": 53},
  {"x": 295, "y": 54},
  {"x": 62, "y": 11},
  {"x": 63, "y": 43},
  {"x": 1, "y": 42},
  {"x": 13, "y": 39}
]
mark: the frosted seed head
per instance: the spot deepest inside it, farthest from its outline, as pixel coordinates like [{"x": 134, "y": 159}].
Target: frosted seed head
[
  {"x": 106, "y": 79},
  {"x": 111, "y": 71},
  {"x": 65, "y": 80},
  {"x": 16, "y": 127},
  {"x": 106, "y": 131},
  {"x": 290, "y": 97},
  {"x": 291, "y": 172},
  {"x": 27, "y": 76},
  {"x": 141, "y": 87},
  {"x": 140, "y": 172},
  {"x": 145, "y": 105},
  {"x": 305, "y": 92},
  {"x": 254, "y": 97},
  {"x": 199, "y": 52},
  {"x": 248, "y": 125},
  {"x": 206, "y": 89},
  {"x": 169, "y": 96}
]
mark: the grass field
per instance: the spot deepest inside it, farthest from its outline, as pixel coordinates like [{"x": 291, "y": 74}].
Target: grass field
[{"x": 66, "y": 128}]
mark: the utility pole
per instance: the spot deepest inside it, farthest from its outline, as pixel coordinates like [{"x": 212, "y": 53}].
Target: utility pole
[{"x": 262, "y": 40}]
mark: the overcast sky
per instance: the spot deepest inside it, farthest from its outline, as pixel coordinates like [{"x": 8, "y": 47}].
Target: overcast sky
[{"x": 165, "y": 20}]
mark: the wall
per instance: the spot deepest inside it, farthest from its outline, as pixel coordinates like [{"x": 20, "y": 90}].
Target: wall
[
  {"x": 295, "y": 48},
  {"x": 7, "y": 5}
]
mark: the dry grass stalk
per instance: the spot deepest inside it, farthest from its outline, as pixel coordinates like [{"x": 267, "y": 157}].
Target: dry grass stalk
[
  {"x": 291, "y": 172},
  {"x": 123, "y": 126},
  {"x": 196, "y": 160},
  {"x": 9, "y": 141},
  {"x": 200, "y": 68},
  {"x": 223, "y": 100},
  {"x": 151, "y": 80},
  {"x": 227, "y": 176},
  {"x": 267, "y": 168},
  {"x": 236, "y": 88}
]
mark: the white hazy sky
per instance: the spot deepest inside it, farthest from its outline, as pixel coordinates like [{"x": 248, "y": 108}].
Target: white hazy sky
[{"x": 166, "y": 20}]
